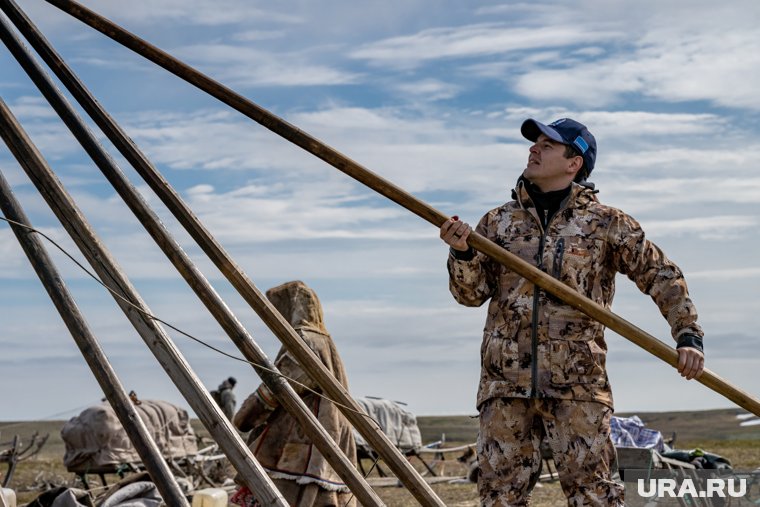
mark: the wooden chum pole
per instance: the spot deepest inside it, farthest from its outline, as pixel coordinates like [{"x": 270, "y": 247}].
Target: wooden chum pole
[
  {"x": 271, "y": 317},
  {"x": 398, "y": 195},
  {"x": 93, "y": 354},
  {"x": 138, "y": 313},
  {"x": 195, "y": 279}
]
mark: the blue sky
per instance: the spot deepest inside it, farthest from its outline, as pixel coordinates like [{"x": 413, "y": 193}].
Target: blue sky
[{"x": 429, "y": 95}]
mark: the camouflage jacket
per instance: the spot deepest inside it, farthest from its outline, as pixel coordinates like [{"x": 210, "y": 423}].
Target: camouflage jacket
[{"x": 533, "y": 344}]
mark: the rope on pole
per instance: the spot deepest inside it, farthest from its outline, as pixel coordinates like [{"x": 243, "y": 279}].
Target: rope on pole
[
  {"x": 90, "y": 348},
  {"x": 160, "y": 344}
]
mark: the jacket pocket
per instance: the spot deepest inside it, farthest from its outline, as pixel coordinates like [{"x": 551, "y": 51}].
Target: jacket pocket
[
  {"x": 575, "y": 356},
  {"x": 573, "y": 362},
  {"x": 577, "y": 262},
  {"x": 567, "y": 323},
  {"x": 500, "y": 357}
]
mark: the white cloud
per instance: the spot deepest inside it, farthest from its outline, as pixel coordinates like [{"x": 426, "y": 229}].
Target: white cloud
[
  {"x": 258, "y": 35},
  {"x": 239, "y": 217},
  {"x": 222, "y": 12},
  {"x": 687, "y": 60},
  {"x": 213, "y": 140},
  {"x": 43, "y": 127},
  {"x": 11, "y": 252},
  {"x": 617, "y": 125},
  {"x": 726, "y": 274},
  {"x": 707, "y": 228},
  {"x": 398, "y": 147},
  {"x": 640, "y": 125},
  {"x": 241, "y": 66},
  {"x": 697, "y": 69},
  {"x": 470, "y": 41},
  {"x": 27, "y": 108},
  {"x": 514, "y": 8},
  {"x": 589, "y": 86},
  {"x": 429, "y": 89},
  {"x": 106, "y": 63}
]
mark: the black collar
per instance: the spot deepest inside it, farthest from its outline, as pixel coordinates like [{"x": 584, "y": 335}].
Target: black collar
[{"x": 546, "y": 203}]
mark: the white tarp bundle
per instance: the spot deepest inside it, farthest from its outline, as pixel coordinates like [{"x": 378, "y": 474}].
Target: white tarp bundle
[
  {"x": 398, "y": 424},
  {"x": 95, "y": 439}
]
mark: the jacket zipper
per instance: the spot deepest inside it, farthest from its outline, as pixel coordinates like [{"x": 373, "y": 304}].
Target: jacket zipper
[
  {"x": 536, "y": 293},
  {"x": 534, "y": 325}
]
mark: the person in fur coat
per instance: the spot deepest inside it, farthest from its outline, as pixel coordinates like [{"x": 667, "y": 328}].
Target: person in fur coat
[{"x": 297, "y": 468}]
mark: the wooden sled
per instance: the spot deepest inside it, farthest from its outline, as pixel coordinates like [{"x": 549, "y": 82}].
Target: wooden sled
[
  {"x": 430, "y": 456},
  {"x": 206, "y": 468}
]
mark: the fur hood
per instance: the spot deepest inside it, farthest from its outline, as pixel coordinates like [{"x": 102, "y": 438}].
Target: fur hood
[{"x": 299, "y": 305}]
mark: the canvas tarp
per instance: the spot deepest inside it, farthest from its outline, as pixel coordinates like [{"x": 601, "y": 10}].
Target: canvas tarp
[
  {"x": 398, "y": 424},
  {"x": 95, "y": 439}
]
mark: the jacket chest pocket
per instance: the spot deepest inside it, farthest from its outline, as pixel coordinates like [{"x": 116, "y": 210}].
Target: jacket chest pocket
[
  {"x": 575, "y": 259},
  {"x": 575, "y": 356}
]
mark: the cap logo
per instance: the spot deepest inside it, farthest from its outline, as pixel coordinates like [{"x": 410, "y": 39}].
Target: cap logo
[{"x": 581, "y": 144}]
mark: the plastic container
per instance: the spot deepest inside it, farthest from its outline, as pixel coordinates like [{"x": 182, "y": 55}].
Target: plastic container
[
  {"x": 7, "y": 497},
  {"x": 210, "y": 497}
]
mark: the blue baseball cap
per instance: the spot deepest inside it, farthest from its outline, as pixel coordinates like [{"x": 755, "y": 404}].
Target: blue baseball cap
[{"x": 565, "y": 131}]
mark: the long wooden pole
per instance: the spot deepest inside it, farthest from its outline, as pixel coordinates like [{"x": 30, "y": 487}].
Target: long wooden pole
[
  {"x": 271, "y": 317},
  {"x": 138, "y": 313},
  {"x": 396, "y": 194},
  {"x": 195, "y": 279},
  {"x": 93, "y": 354}
]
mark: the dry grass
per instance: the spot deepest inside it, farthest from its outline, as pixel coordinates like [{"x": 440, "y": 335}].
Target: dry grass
[
  {"x": 466, "y": 495},
  {"x": 714, "y": 431}
]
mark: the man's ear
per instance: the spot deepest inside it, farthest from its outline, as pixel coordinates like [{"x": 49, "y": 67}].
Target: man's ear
[{"x": 576, "y": 163}]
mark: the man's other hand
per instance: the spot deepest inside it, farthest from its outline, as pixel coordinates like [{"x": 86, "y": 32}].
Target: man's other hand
[{"x": 454, "y": 233}]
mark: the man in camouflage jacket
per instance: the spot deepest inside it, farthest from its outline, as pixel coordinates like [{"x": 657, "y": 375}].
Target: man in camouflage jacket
[{"x": 543, "y": 369}]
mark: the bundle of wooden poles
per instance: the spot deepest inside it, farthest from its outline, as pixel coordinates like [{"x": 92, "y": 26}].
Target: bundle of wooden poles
[{"x": 139, "y": 315}]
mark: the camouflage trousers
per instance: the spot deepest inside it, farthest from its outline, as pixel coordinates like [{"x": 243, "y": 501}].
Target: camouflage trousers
[{"x": 578, "y": 432}]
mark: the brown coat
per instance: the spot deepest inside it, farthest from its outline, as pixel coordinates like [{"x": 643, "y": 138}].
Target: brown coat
[
  {"x": 533, "y": 344},
  {"x": 279, "y": 443}
]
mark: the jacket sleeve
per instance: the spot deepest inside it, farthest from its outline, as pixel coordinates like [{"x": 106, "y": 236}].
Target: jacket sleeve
[
  {"x": 654, "y": 274},
  {"x": 254, "y": 411},
  {"x": 472, "y": 282}
]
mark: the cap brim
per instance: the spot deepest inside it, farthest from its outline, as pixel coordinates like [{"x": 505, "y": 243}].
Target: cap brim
[{"x": 531, "y": 129}]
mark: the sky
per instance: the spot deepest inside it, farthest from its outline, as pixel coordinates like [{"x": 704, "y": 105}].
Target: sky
[{"x": 431, "y": 96}]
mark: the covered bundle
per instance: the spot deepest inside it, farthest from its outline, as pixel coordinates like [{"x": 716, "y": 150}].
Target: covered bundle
[
  {"x": 398, "y": 424},
  {"x": 96, "y": 441}
]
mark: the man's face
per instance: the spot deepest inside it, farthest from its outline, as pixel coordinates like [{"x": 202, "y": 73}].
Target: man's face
[{"x": 547, "y": 166}]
